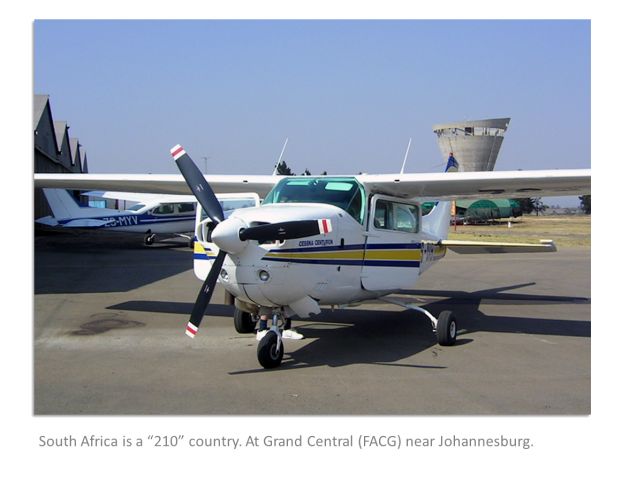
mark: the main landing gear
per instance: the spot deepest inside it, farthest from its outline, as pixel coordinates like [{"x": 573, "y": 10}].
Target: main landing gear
[
  {"x": 149, "y": 239},
  {"x": 244, "y": 322},
  {"x": 445, "y": 326}
]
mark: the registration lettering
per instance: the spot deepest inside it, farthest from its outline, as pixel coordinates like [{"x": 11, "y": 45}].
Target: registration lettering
[{"x": 123, "y": 221}]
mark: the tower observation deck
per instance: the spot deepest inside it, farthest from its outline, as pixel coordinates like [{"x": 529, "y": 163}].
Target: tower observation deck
[{"x": 475, "y": 143}]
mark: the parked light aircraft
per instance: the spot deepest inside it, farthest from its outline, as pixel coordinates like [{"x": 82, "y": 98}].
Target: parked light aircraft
[
  {"x": 152, "y": 214},
  {"x": 327, "y": 240}
]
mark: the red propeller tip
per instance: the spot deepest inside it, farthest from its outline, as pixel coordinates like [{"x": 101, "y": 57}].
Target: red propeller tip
[
  {"x": 191, "y": 330},
  {"x": 177, "y": 151}
]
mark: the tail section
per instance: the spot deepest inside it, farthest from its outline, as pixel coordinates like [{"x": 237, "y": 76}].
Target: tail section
[
  {"x": 62, "y": 203},
  {"x": 436, "y": 224}
]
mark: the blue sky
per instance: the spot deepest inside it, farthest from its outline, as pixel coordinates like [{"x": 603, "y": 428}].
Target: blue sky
[{"x": 347, "y": 94}]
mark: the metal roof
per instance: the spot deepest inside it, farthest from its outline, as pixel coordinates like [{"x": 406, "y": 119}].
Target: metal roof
[
  {"x": 75, "y": 143},
  {"x": 60, "y": 131},
  {"x": 39, "y": 105}
]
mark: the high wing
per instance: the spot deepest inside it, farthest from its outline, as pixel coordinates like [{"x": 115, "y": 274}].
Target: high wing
[
  {"x": 510, "y": 184},
  {"x": 440, "y": 186},
  {"x": 154, "y": 183}
]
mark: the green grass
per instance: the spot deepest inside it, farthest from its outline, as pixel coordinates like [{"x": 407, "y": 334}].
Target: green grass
[{"x": 564, "y": 230}]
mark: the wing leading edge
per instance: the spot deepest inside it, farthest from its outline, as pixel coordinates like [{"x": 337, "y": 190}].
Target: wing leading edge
[
  {"x": 511, "y": 184},
  {"x": 154, "y": 183},
  {"x": 439, "y": 186}
]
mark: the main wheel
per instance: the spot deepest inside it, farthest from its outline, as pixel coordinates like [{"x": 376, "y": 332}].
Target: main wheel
[
  {"x": 267, "y": 352},
  {"x": 447, "y": 328},
  {"x": 243, "y": 322},
  {"x": 149, "y": 239}
]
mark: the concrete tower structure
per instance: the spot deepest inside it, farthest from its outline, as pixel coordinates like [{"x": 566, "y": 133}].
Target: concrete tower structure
[{"x": 475, "y": 143}]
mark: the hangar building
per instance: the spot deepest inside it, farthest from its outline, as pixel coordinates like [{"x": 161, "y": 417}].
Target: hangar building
[{"x": 54, "y": 150}]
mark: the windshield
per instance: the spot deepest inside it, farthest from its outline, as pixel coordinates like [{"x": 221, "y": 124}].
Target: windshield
[
  {"x": 137, "y": 206},
  {"x": 345, "y": 193}
]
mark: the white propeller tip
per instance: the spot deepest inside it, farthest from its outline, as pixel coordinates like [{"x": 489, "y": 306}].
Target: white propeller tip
[{"x": 177, "y": 151}]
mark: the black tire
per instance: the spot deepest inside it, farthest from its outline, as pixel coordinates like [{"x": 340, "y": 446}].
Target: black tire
[
  {"x": 149, "y": 239},
  {"x": 447, "y": 328},
  {"x": 243, "y": 322},
  {"x": 267, "y": 352}
]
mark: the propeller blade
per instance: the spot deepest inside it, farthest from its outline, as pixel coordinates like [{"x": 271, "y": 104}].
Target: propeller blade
[
  {"x": 205, "y": 294},
  {"x": 197, "y": 183},
  {"x": 287, "y": 230}
]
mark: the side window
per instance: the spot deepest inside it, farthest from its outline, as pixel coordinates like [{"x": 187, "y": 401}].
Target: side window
[
  {"x": 185, "y": 207},
  {"x": 164, "y": 209},
  {"x": 401, "y": 217},
  {"x": 406, "y": 217},
  {"x": 381, "y": 215}
]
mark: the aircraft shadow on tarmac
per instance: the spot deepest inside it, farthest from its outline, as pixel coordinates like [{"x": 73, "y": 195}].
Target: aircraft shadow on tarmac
[
  {"x": 385, "y": 337},
  {"x": 87, "y": 262}
]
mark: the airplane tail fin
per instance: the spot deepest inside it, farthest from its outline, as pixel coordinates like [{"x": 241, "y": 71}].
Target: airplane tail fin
[
  {"x": 436, "y": 223},
  {"x": 62, "y": 203}
]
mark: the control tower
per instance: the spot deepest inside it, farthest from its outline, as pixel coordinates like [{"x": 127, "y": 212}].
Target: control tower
[{"x": 475, "y": 143}]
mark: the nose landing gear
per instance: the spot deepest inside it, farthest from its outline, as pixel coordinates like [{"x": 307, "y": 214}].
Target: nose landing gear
[{"x": 270, "y": 348}]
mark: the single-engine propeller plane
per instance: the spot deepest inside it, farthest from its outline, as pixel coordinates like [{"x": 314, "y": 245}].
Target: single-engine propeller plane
[
  {"x": 151, "y": 214},
  {"x": 328, "y": 240}
]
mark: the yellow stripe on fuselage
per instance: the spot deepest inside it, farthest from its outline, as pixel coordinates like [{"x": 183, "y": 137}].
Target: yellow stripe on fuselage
[
  {"x": 411, "y": 254},
  {"x": 335, "y": 255}
]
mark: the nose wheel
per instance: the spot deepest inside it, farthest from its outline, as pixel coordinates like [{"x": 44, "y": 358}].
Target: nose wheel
[{"x": 270, "y": 350}]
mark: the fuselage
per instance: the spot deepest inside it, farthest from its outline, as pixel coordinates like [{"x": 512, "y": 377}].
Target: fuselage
[
  {"x": 376, "y": 246},
  {"x": 157, "y": 217}
]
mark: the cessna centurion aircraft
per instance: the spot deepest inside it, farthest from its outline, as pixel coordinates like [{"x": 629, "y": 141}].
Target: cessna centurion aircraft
[{"x": 326, "y": 240}]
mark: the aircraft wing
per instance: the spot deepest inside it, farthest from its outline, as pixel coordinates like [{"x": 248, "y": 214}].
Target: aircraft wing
[
  {"x": 154, "y": 183},
  {"x": 511, "y": 184},
  {"x": 438, "y": 186}
]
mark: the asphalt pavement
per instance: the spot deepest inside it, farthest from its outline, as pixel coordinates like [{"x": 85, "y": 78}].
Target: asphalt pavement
[{"x": 109, "y": 317}]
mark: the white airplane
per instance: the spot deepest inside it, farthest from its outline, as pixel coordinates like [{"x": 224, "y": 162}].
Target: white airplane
[
  {"x": 152, "y": 214},
  {"x": 328, "y": 240}
]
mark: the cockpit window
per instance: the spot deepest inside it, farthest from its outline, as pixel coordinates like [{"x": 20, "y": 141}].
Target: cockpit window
[
  {"x": 164, "y": 209},
  {"x": 345, "y": 193},
  {"x": 137, "y": 206}
]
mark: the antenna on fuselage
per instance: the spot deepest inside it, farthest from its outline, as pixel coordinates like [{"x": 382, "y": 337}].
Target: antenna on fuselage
[
  {"x": 402, "y": 170},
  {"x": 276, "y": 166}
]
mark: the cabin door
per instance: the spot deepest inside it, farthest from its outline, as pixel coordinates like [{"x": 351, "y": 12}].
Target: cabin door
[{"x": 393, "y": 250}]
